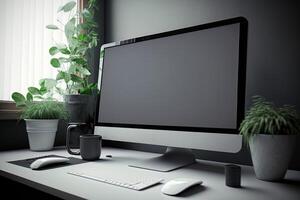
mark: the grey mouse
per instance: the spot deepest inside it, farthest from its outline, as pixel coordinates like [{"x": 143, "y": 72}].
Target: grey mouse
[{"x": 43, "y": 162}]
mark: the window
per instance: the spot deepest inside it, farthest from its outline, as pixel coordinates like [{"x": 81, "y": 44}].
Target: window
[{"x": 25, "y": 41}]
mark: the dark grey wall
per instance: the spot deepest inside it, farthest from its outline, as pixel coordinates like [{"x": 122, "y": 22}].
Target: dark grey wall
[{"x": 273, "y": 68}]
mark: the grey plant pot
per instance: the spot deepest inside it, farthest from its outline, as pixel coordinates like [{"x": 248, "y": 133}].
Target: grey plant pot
[
  {"x": 41, "y": 133},
  {"x": 76, "y": 105},
  {"x": 271, "y": 155}
]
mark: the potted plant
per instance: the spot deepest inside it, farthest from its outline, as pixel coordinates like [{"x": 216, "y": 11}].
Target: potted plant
[
  {"x": 41, "y": 120},
  {"x": 270, "y": 132},
  {"x": 71, "y": 58}
]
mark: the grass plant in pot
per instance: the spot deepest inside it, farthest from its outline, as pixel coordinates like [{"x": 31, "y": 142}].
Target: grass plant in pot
[
  {"x": 71, "y": 58},
  {"x": 41, "y": 120},
  {"x": 271, "y": 133}
]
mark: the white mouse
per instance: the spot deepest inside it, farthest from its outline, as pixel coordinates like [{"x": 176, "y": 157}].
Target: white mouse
[
  {"x": 42, "y": 162},
  {"x": 178, "y": 185}
]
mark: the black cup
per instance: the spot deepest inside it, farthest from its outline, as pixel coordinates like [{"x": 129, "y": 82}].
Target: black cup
[
  {"x": 74, "y": 131},
  {"x": 233, "y": 175},
  {"x": 89, "y": 144}
]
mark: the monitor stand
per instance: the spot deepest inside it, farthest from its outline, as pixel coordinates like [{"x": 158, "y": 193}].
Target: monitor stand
[{"x": 173, "y": 158}]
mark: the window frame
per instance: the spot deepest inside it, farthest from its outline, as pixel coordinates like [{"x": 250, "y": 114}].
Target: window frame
[{"x": 8, "y": 110}]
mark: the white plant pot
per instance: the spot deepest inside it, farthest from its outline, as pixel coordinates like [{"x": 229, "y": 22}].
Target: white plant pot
[
  {"x": 41, "y": 133},
  {"x": 271, "y": 155}
]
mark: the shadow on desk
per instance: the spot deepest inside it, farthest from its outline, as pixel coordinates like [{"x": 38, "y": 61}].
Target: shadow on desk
[
  {"x": 207, "y": 167},
  {"x": 15, "y": 190},
  {"x": 291, "y": 182},
  {"x": 193, "y": 190}
]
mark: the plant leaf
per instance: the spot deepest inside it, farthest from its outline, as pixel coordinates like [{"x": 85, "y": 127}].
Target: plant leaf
[
  {"x": 34, "y": 90},
  {"x": 65, "y": 51},
  {"x": 55, "y": 62},
  {"x": 69, "y": 6},
  {"x": 19, "y": 99},
  {"x": 60, "y": 8},
  {"x": 52, "y": 26},
  {"x": 48, "y": 109},
  {"x": 82, "y": 37},
  {"x": 39, "y": 97},
  {"x": 60, "y": 75},
  {"x": 53, "y": 51},
  {"x": 86, "y": 14},
  {"x": 70, "y": 29},
  {"x": 67, "y": 77},
  {"x": 49, "y": 83},
  {"x": 85, "y": 90},
  {"x": 63, "y": 60},
  {"x": 42, "y": 82},
  {"x": 89, "y": 89},
  {"x": 93, "y": 86},
  {"x": 29, "y": 96},
  {"x": 76, "y": 79},
  {"x": 63, "y": 75},
  {"x": 83, "y": 71},
  {"x": 43, "y": 90},
  {"x": 72, "y": 69},
  {"x": 80, "y": 61}
]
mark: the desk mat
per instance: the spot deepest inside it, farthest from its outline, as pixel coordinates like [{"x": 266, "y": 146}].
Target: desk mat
[{"x": 27, "y": 162}]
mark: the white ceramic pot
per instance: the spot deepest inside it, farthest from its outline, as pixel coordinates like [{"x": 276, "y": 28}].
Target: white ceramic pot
[
  {"x": 271, "y": 155},
  {"x": 41, "y": 133}
]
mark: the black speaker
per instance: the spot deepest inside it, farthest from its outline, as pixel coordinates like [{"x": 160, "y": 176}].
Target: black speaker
[{"x": 233, "y": 175}]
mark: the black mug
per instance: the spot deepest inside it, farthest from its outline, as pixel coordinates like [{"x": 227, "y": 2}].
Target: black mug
[
  {"x": 90, "y": 145},
  {"x": 77, "y": 129}
]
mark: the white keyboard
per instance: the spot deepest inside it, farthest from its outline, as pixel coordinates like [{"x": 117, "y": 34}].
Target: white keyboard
[{"x": 131, "y": 183}]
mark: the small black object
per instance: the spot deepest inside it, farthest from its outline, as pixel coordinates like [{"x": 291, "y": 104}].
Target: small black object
[
  {"x": 233, "y": 175},
  {"x": 109, "y": 156},
  {"x": 90, "y": 147}
]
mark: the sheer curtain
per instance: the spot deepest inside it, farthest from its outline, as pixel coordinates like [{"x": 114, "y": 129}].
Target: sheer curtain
[{"x": 24, "y": 41}]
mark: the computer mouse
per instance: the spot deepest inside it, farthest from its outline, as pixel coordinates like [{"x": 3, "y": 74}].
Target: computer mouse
[
  {"x": 178, "y": 185},
  {"x": 43, "y": 162}
]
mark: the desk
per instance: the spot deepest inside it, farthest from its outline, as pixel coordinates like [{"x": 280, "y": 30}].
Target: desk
[{"x": 57, "y": 182}]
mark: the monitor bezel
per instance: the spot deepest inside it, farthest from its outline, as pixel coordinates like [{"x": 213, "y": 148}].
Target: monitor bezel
[{"x": 243, "y": 33}]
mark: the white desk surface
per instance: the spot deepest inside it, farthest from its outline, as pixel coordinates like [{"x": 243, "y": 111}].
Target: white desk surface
[{"x": 58, "y": 182}]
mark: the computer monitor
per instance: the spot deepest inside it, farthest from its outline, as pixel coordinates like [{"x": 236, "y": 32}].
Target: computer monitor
[{"x": 183, "y": 88}]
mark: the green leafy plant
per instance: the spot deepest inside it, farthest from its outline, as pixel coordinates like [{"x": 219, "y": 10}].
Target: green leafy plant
[
  {"x": 70, "y": 59},
  {"x": 44, "y": 110},
  {"x": 265, "y": 118},
  {"x": 44, "y": 92}
]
